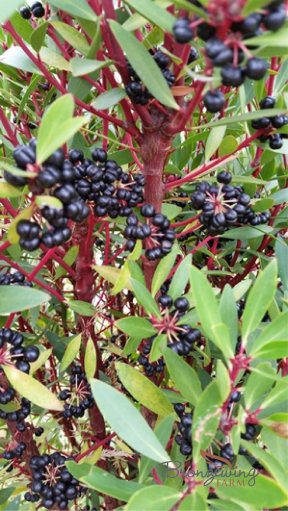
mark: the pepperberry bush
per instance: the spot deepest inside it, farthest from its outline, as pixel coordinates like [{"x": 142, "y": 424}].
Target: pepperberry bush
[{"x": 143, "y": 255}]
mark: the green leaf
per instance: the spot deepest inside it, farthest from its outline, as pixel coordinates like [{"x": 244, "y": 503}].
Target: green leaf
[
  {"x": 110, "y": 98},
  {"x": 16, "y": 57},
  {"x": 214, "y": 140},
  {"x": 8, "y": 191},
  {"x": 145, "y": 299},
  {"x": 264, "y": 493},
  {"x": 259, "y": 299},
  {"x": 144, "y": 65},
  {"x": 38, "y": 36},
  {"x": 138, "y": 328},
  {"x": 180, "y": 277},
  {"x": 127, "y": 421},
  {"x": 79, "y": 8},
  {"x": 170, "y": 210},
  {"x": 7, "y": 9},
  {"x": 158, "y": 344},
  {"x": 154, "y": 497},
  {"x": 256, "y": 114},
  {"x": 82, "y": 308},
  {"x": 263, "y": 205},
  {"x": 32, "y": 86},
  {"x": 269, "y": 38},
  {"x": 208, "y": 312},
  {"x": 281, "y": 252},
  {"x": 48, "y": 200},
  {"x": 43, "y": 357},
  {"x": 102, "y": 481},
  {"x": 143, "y": 390},
  {"x": 273, "y": 349},
  {"x": 16, "y": 171},
  {"x": 257, "y": 384},
  {"x": 57, "y": 127},
  {"x": 69, "y": 259},
  {"x": 280, "y": 196},
  {"x": 271, "y": 464},
  {"x": 154, "y": 13},
  {"x": 82, "y": 67},
  {"x": 277, "y": 394},
  {"x": 54, "y": 59},
  {"x": 206, "y": 417},
  {"x": 32, "y": 389},
  {"x": 163, "y": 269},
  {"x": 72, "y": 36},
  {"x": 112, "y": 274},
  {"x": 228, "y": 145},
  {"x": 90, "y": 359},
  {"x": 25, "y": 214},
  {"x": 228, "y": 311},
  {"x": 183, "y": 375},
  {"x": 70, "y": 353},
  {"x": 163, "y": 432},
  {"x": 222, "y": 379},
  {"x": 188, "y": 6},
  {"x": 247, "y": 233},
  {"x": 26, "y": 298}
]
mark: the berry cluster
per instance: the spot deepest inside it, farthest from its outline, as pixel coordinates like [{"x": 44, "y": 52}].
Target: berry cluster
[
  {"x": 225, "y": 205},
  {"x": 37, "y": 10},
  {"x": 82, "y": 395},
  {"x": 19, "y": 415},
  {"x": 268, "y": 123},
  {"x": 228, "y": 56},
  {"x": 156, "y": 232},
  {"x": 17, "y": 279},
  {"x": 14, "y": 453},
  {"x": 52, "y": 482},
  {"x": 180, "y": 337},
  {"x": 136, "y": 90},
  {"x": 183, "y": 438},
  {"x": 22, "y": 356},
  {"x": 100, "y": 182}
]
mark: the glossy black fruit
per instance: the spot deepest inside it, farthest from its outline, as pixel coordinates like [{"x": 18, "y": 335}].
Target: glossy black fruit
[
  {"x": 37, "y": 10},
  {"x": 275, "y": 19},
  {"x": 182, "y": 31},
  {"x": 232, "y": 76},
  {"x": 214, "y": 101},
  {"x": 267, "y": 102},
  {"x": 256, "y": 68},
  {"x": 25, "y": 12},
  {"x": 276, "y": 141}
]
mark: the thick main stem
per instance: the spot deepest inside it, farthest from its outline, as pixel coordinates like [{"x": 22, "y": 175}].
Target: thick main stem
[{"x": 154, "y": 152}]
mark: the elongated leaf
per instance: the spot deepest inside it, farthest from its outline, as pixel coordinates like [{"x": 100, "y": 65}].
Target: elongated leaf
[
  {"x": 7, "y": 9},
  {"x": 82, "y": 67},
  {"x": 265, "y": 490},
  {"x": 8, "y": 191},
  {"x": 112, "y": 274},
  {"x": 163, "y": 269},
  {"x": 57, "y": 127},
  {"x": 154, "y": 13},
  {"x": 25, "y": 298},
  {"x": 180, "y": 278},
  {"x": 277, "y": 394},
  {"x": 138, "y": 328},
  {"x": 72, "y": 36},
  {"x": 143, "y": 390},
  {"x": 208, "y": 312},
  {"x": 54, "y": 59},
  {"x": 252, "y": 5},
  {"x": 69, "y": 259},
  {"x": 257, "y": 114},
  {"x": 273, "y": 350},
  {"x": 163, "y": 432},
  {"x": 82, "y": 308},
  {"x": 206, "y": 417},
  {"x": 109, "y": 98},
  {"x": 144, "y": 65},
  {"x": 16, "y": 57},
  {"x": 282, "y": 259},
  {"x": 269, "y": 38},
  {"x": 184, "y": 376},
  {"x": 48, "y": 200},
  {"x": 247, "y": 233},
  {"x": 214, "y": 140},
  {"x": 79, "y": 8},
  {"x": 127, "y": 421},
  {"x": 154, "y": 497},
  {"x": 259, "y": 299},
  {"x": 25, "y": 214},
  {"x": 32, "y": 389},
  {"x": 70, "y": 353},
  {"x": 228, "y": 310},
  {"x": 269, "y": 462},
  {"x": 102, "y": 481},
  {"x": 43, "y": 357},
  {"x": 38, "y": 36},
  {"x": 90, "y": 360},
  {"x": 145, "y": 298},
  {"x": 258, "y": 384}
]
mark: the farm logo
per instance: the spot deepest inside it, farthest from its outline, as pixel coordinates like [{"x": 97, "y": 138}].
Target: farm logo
[{"x": 222, "y": 475}]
